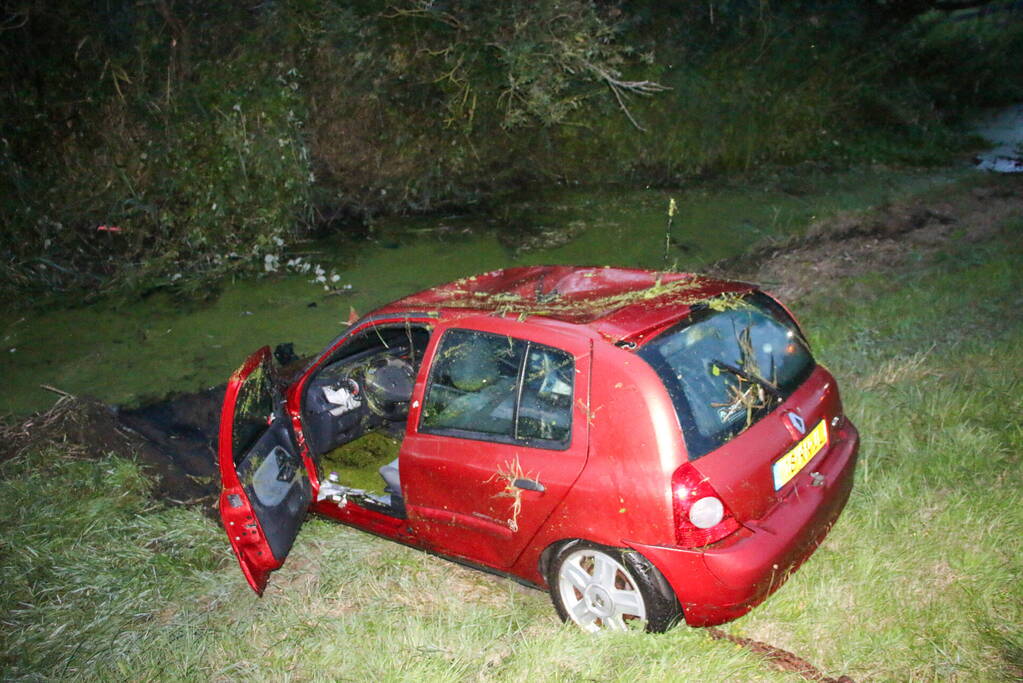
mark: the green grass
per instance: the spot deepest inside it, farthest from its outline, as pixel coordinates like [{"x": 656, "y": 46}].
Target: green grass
[{"x": 921, "y": 579}]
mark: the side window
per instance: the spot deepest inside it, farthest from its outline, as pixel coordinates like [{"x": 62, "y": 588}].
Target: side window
[
  {"x": 545, "y": 409},
  {"x": 253, "y": 408},
  {"x": 472, "y": 383},
  {"x": 500, "y": 388}
]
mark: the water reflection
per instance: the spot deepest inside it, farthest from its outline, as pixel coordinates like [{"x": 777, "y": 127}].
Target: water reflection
[{"x": 1004, "y": 129}]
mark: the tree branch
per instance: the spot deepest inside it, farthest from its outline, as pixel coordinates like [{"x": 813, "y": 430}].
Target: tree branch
[{"x": 619, "y": 88}]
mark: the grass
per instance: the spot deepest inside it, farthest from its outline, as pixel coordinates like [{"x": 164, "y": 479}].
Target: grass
[
  {"x": 924, "y": 566},
  {"x": 921, "y": 579}
]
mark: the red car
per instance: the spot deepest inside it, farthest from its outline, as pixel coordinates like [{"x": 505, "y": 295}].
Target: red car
[{"x": 646, "y": 446}]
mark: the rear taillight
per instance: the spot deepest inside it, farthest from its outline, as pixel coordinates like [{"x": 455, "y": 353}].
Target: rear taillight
[{"x": 701, "y": 517}]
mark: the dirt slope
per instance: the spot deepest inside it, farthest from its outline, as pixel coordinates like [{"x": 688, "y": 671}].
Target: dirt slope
[{"x": 887, "y": 239}]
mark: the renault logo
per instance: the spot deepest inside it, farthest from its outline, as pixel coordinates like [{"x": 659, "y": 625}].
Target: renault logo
[{"x": 798, "y": 423}]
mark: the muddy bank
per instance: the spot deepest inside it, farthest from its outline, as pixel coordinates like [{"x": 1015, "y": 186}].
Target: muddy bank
[
  {"x": 174, "y": 440},
  {"x": 885, "y": 239}
]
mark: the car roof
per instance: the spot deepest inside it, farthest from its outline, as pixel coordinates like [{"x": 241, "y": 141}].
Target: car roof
[{"x": 619, "y": 304}]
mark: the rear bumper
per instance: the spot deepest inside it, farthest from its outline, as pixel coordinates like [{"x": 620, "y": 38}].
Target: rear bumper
[{"x": 723, "y": 582}]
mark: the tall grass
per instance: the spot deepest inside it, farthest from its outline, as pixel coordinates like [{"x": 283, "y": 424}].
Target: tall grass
[{"x": 921, "y": 579}]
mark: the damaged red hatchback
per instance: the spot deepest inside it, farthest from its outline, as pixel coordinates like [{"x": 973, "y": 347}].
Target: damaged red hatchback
[{"x": 647, "y": 446}]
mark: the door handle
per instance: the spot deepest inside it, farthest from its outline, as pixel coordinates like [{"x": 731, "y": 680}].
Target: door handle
[{"x": 528, "y": 485}]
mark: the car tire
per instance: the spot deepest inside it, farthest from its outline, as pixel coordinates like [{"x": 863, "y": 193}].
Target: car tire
[{"x": 602, "y": 588}]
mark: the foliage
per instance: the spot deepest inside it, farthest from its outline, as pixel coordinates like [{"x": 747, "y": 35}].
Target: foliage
[
  {"x": 540, "y": 59},
  {"x": 212, "y": 139},
  {"x": 162, "y": 180}
]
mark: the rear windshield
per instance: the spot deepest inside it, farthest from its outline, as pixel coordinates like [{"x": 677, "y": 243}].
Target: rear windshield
[{"x": 728, "y": 365}]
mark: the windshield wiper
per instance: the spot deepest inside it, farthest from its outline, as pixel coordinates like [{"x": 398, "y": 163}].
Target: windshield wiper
[{"x": 749, "y": 377}]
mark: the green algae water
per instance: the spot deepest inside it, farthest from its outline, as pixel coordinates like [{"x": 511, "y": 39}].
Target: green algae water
[{"x": 125, "y": 353}]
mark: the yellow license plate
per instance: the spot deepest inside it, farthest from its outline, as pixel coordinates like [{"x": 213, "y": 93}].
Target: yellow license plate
[{"x": 789, "y": 464}]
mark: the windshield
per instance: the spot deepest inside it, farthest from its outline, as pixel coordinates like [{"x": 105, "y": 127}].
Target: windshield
[{"x": 725, "y": 369}]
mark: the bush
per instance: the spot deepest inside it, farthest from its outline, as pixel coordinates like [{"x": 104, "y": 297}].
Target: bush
[
  {"x": 158, "y": 145},
  {"x": 176, "y": 187}
]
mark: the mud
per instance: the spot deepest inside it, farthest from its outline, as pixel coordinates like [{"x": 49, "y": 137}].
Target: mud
[
  {"x": 179, "y": 435},
  {"x": 887, "y": 239},
  {"x": 783, "y": 660},
  {"x": 173, "y": 438}
]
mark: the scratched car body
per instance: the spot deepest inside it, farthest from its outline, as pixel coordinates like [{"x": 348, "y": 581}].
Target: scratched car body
[{"x": 649, "y": 447}]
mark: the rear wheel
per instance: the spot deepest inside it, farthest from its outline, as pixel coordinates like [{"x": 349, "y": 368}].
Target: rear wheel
[{"x": 605, "y": 589}]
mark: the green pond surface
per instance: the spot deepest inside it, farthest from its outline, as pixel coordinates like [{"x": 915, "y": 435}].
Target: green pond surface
[{"x": 126, "y": 353}]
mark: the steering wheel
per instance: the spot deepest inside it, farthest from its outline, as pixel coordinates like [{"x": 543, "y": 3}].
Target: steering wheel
[{"x": 388, "y": 383}]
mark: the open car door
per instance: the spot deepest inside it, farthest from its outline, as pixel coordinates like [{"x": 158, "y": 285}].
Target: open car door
[{"x": 265, "y": 488}]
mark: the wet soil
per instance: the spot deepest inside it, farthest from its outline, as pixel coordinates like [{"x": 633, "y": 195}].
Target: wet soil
[
  {"x": 173, "y": 438},
  {"x": 779, "y": 659},
  {"x": 891, "y": 238}
]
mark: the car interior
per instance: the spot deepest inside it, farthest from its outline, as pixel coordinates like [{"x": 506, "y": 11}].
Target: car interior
[{"x": 354, "y": 413}]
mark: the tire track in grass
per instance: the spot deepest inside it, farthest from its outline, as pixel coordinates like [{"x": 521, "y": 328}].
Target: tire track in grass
[{"x": 782, "y": 660}]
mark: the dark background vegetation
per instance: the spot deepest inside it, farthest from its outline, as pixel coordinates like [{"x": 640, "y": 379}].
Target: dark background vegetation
[{"x": 210, "y": 135}]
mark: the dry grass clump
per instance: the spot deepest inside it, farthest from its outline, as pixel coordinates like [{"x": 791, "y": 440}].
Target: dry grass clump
[
  {"x": 909, "y": 368},
  {"x": 80, "y": 427}
]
